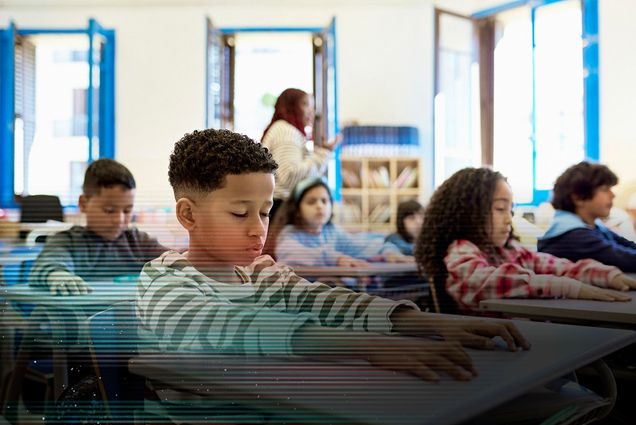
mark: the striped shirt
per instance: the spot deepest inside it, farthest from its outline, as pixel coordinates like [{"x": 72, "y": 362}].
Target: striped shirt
[
  {"x": 295, "y": 163},
  {"x": 516, "y": 273},
  {"x": 181, "y": 308}
]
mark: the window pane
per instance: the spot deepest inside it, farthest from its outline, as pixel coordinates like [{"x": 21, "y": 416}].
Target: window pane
[
  {"x": 559, "y": 90},
  {"x": 513, "y": 102},
  {"x": 265, "y": 65},
  {"x": 55, "y": 160},
  {"x": 457, "y": 138}
]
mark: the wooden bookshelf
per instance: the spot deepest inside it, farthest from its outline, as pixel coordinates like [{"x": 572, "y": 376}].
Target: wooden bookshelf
[{"x": 373, "y": 187}]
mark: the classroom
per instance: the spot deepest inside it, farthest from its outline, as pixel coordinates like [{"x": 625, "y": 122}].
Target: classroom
[{"x": 433, "y": 184}]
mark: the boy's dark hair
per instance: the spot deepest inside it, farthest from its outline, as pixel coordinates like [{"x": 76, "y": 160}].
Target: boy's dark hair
[
  {"x": 581, "y": 181},
  {"x": 289, "y": 211},
  {"x": 461, "y": 208},
  {"x": 404, "y": 210},
  {"x": 201, "y": 160},
  {"x": 106, "y": 172}
]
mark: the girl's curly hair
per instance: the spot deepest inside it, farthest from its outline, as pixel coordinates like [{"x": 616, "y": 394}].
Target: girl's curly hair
[{"x": 459, "y": 209}]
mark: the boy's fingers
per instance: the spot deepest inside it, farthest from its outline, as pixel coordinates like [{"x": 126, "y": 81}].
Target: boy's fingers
[
  {"x": 425, "y": 372},
  {"x": 520, "y": 340}
]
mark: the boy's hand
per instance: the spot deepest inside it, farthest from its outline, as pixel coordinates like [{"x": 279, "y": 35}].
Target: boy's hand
[
  {"x": 398, "y": 258},
  {"x": 589, "y": 292},
  {"x": 65, "y": 283},
  {"x": 346, "y": 261},
  {"x": 331, "y": 144},
  {"x": 622, "y": 282},
  {"x": 479, "y": 333},
  {"x": 420, "y": 357},
  {"x": 471, "y": 333}
]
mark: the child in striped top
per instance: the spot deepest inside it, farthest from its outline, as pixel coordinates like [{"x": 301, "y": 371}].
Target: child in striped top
[
  {"x": 222, "y": 295},
  {"x": 466, "y": 246}
]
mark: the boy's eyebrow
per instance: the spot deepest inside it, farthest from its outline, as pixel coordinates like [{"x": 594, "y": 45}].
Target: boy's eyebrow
[{"x": 501, "y": 199}]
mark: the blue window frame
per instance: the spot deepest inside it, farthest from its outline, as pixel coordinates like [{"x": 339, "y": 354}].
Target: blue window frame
[
  {"x": 99, "y": 102},
  {"x": 218, "y": 82},
  {"x": 590, "y": 59}
]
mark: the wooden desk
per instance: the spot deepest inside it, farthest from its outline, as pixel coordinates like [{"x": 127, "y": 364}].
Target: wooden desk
[
  {"x": 374, "y": 269},
  {"x": 322, "y": 392},
  {"x": 610, "y": 314}
]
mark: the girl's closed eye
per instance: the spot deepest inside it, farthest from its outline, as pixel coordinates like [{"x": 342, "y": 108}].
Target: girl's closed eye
[{"x": 239, "y": 215}]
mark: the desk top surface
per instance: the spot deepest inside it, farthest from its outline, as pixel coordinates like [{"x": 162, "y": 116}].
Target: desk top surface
[
  {"x": 355, "y": 392},
  {"x": 103, "y": 294},
  {"x": 579, "y": 310},
  {"x": 374, "y": 269}
]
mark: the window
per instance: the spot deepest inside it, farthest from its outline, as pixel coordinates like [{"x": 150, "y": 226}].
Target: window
[
  {"x": 57, "y": 97},
  {"x": 536, "y": 80}
]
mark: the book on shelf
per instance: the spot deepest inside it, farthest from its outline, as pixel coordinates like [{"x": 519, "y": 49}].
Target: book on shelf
[
  {"x": 407, "y": 177},
  {"x": 350, "y": 179},
  {"x": 380, "y": 214},
  {"x": 351, "y": 212},
  {"x": 379, "y": 177}
]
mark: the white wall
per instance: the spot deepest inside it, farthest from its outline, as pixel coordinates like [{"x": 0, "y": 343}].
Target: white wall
[
  {"x": 385, "y": 63},
  {"x": 618, "y": 92}
]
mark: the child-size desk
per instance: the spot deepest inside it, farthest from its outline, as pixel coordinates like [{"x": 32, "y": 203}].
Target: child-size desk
[{"x": 310, "y": 391}]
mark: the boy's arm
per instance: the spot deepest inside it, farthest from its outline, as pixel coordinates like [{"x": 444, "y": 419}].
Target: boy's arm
[
  {"x": 333, "y": 307},
  {"x": 471, "y": 279},
  {"x": 55, "y": 256},
  {"x": 148, "y": 246}
]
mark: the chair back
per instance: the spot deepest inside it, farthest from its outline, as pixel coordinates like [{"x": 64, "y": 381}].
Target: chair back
[
  {"x": 113, "y": 340},
  {"x": 40, "y": 208}
]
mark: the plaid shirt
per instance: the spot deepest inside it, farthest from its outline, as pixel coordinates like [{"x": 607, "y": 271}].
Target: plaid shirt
[{"x": 516, "y": 272}]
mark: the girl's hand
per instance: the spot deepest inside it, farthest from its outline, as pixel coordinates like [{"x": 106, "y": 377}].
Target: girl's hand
[
  {"x": 589, "y": 292},
  {"x": 622, "y": 282},
  {"x": 346, "y": 261},
  {"x": 398, "y": 258}
]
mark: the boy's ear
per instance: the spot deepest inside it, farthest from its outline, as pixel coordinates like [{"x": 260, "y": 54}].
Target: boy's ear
[
  {"x": 83, "y": 200},
  {"x": 185, "y": 213}
]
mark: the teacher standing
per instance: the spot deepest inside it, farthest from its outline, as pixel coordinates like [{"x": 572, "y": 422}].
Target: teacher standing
[{"x": 286, "y": 139}]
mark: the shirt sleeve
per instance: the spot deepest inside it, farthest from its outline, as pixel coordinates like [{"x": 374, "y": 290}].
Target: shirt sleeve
[
  {"x": 588, "y": 271},
  {"x": 148, "y": 247},
  {"x": 56, "y": 255},
  {"x": 294, "y": 163},
  {"x": 332, "y": 307},
  {"x": 472, "y": 279}
]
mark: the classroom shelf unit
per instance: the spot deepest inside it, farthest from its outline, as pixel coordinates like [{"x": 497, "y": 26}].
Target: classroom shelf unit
[{"x": 373, "y": 187}]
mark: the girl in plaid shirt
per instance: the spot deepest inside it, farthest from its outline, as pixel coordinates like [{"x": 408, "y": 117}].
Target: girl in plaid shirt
[{"x": 467, "y": 248}]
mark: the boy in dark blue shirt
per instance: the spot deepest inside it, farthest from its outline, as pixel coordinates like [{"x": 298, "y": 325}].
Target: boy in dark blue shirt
[{"x": 582, "y": 196}]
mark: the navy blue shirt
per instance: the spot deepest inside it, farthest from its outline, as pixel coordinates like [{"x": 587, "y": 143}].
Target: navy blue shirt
[{"x": 596, "y": 242}]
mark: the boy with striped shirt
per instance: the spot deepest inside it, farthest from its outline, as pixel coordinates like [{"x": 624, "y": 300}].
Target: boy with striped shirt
[{"x": 222, "y": 295}]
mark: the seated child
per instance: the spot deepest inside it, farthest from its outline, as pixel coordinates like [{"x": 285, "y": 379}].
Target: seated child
[
  {"x": 466, "y": 247},
  {"x": 223, "y": 295},
  {"x": 305, "y": 236},
  {"x": 410, "y": 215},
  {"x": 582, "y": 197},
  {"x": 106, "y": 247}
]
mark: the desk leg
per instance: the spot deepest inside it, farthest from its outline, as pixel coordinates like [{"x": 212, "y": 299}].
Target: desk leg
[{"x": 16, "y": 379}]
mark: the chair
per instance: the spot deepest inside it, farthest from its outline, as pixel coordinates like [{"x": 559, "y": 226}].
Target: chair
[{"x": 40, "y": 209}]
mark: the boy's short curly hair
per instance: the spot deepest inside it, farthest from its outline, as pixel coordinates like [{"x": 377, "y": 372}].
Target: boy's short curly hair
[
  {"x": 201, "y": 160},
  {"x": 106, "y": 172},
  {"x": 581, "y": 181}
]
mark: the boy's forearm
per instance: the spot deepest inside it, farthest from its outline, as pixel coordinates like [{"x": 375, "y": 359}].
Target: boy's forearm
[
  {"x": 411, "y": 322},
  {"x": 312, "y": 340}
]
